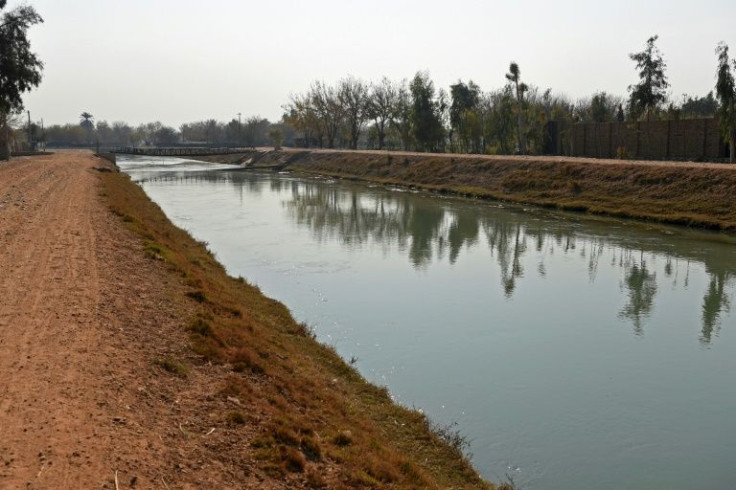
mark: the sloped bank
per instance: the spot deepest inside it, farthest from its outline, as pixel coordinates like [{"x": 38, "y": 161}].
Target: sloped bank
[
  {"x": 690, "y": 194},
  {"x": 297, "y": 412}
]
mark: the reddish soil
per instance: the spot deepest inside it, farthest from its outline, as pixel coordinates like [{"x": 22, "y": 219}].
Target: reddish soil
[
  {"x": 83, "y": 311},
  {"x": 522, "y": 158}
]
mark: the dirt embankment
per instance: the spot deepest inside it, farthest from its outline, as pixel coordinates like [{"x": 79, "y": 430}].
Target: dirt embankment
[
  {"x": 129, "y": 359},
  {"x": 684, "y": 193}
]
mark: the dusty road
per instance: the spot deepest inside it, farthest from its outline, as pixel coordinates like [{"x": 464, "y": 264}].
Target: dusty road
[
  {"x": 80, "y": 308},
  {"x": 522, "y": 158}
]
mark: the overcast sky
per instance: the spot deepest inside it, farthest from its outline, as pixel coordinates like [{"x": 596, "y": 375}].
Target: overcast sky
[{"x": 184, "y": 60}]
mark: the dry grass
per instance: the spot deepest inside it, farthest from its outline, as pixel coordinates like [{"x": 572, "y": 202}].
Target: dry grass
[
  {"x": 318, "y": 424},
  {"x": 676, "y": 194}
]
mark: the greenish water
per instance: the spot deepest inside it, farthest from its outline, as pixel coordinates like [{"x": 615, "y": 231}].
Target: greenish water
[{"x": 573, "y": 352}]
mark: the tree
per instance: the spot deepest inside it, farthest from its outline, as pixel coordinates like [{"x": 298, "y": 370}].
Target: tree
[
  {"x": 404, "y": 118},
  {"x": 86, "y": 120},
  {"x": 301, "y": 115},
  {"x": 514, "y": 76},
  {"x": 383, "y": 107},
  {"x": 699, "y": 106},
  {"x": 255, "y": 131},
  {"x": 651, "y": 91},
  {"x": 463, "y": 116},
  {"x": 501, "y": 120},
  {"x": 620, "y": 113},
  {"x": 277, "y": 137},
  {"x": 88, "y": 125},
  {"x": 352, "y": 95},
  {"x": 427, "y": 128},
  {"x": 726, "y": 95},
  {"x": 326, "y": 106},
  {"x": 20, "y": 69},
  {"x": 165, "y": 136},
  {"x": 600, "y": 108}
]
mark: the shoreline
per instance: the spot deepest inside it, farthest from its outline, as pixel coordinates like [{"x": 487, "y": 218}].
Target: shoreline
[
  {"x": 698, "y": 195},
  {"x": 131, "y": 359},
  {"x": 322, "y": 424}
]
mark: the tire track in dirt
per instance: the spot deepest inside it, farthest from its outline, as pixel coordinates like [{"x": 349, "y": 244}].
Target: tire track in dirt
[
  {"x": 86, "y": 320},
  {"x": 44, "y": 288},
  {"x": 84, "y": 316},
  {"x": 66, "y": 383}
]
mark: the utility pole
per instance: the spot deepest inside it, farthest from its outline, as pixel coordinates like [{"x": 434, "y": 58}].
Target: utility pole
[
  {"x": 240, "y": 131},
  {"x": 30, "y": 133}
]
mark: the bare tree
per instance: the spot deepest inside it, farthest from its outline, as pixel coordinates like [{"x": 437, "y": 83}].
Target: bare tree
[
  {"x": 383, "y": 106},
  {"x": 301, "y": 115},
  {"x": 327, "y": 109},
  {"x": 353, "y": 94}
]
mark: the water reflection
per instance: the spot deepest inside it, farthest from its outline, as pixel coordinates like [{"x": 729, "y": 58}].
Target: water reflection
[
  {"x": 427, "y": 229},
  {"x": 715, "y": 302},
  {"x": 641, "y": 287}
]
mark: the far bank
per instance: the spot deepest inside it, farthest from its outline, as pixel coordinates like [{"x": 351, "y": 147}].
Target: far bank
[{"x": 682, "y": 193}]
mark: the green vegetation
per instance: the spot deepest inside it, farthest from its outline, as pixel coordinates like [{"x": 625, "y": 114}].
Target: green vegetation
[
  {"x": 651, "y": 92},
  {"x": 173, "y": 366},
  {"x": 415, "y": 115},
  {"x": 426, "y": 114},
  {"x": 726, "y": 94},
  {"x": 20, "y": 68}
]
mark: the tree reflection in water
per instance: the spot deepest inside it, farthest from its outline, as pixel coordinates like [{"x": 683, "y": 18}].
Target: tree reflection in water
[
  {"x": 428, "y": 228},
  {"x": 641, "y": 286}
]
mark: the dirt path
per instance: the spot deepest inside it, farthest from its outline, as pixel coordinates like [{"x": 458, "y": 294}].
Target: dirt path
[
  {"x": 78, "y": 302},
  {"x": 521, "y": 158},
  {"x": 101, "y": 388}
]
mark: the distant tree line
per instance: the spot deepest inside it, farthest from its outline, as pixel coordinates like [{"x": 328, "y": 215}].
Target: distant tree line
[
  {"x": 412, "y": 114},
  {"x": 254, "y": 131}
]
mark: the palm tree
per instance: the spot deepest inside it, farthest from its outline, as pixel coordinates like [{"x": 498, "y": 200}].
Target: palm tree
[
  {"x": 86, "y": 119},
  {"x": 87, "y": 124},
  {"x": 514, "y": 76}
]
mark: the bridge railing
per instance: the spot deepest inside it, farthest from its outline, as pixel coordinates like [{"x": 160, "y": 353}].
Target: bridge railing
[{"x": 176, "y": 151}]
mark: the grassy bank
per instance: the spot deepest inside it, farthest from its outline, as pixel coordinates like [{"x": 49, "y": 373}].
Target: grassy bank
[
  {"x": 303, "y": 416},
  {"x": 684, "y": 194}
]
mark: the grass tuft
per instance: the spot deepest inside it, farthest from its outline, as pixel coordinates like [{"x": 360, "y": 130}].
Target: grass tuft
[
  {"x": 235, "y": 418},
  {"x": 172, "y": 366},
  {"x": 198, "y": 296},
  {"x": 294, "y": 460}
]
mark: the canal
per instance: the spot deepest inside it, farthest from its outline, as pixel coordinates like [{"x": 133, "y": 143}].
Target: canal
[{"x": 571, "y": 351}]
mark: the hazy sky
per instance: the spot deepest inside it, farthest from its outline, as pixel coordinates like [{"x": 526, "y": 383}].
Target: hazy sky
[{"x": 184, "y": 60}]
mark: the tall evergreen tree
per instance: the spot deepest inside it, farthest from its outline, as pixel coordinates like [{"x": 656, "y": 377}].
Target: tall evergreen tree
[
  {"x": 427, "y": 127},
  {"x": 726, "y": 95},
  {"x": 651, "y": 91},
  {"x": 465, "y": 99}
]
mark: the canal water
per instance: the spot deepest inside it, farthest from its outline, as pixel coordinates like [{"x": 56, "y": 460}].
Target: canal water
[{"x": 572, "y": 352}]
